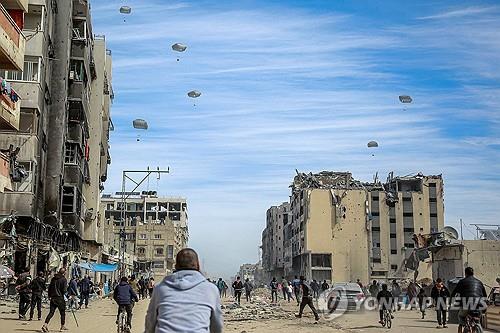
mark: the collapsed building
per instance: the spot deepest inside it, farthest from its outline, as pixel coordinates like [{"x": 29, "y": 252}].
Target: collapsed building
[{"x": 342, "y": 229}]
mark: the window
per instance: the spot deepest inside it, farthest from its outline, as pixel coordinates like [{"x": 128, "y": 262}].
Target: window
[
  {"x": 394, "y": 267},
  {"x": 30, "y": 73},
  {"x": 141, "y": 251},
  {"x": 375, "y": 228},
  {"x": 157, "y": 236},
  {"x": 143, "y": 236},
  {"x": 158, "y": 264},
  {"x": 375, "y": 214},
  {"x": 72, "y": 153},
  {"x": 170, "y": 252},
  {"x": 408, "y": 229},
  {"x": 374, "y": 198},
  {"x": 432, "y": 184},
  {"x": 321, "y": 260},
  {"x": 378, "y": 273},
  {"x": 394, "y": 251},
  {"x": 376, "y": 260},
  {"x": 392, "y": 220},
  {"x": 159, "y": 251},
  {"x": 432, "y": 200},
  {"x": 406, "y": 199},
  {"x": 408, "y": 214},
  {"x": 34, "y": 19},
  {"x": 71, "y": 200},
  {"x": 434, "y": 215},
  {"x": 393, "y": 235},
  {"x": 409, "y": 245},
  {"x": 28, "y": 121}
]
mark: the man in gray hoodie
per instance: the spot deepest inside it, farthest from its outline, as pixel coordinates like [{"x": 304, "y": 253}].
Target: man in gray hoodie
[{"x": 185, "y": 301}]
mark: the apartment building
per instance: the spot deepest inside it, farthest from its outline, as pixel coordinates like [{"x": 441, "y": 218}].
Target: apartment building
[
  {"x": 341, "y": 229},
  {"x": 274, "y": 243},
  {"x": 58, "y": 146},
  {"x": 155, "y": 229}
]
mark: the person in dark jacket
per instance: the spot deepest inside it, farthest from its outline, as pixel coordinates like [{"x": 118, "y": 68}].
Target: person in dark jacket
[
  {"x": 422, "y": 301},
  {"x": 23, "y": 283},
  {"x": 440, "y": 296},
  {"x": 85, "y": 286},
  {"x": 238, "y": 288},
  {"x": 72, "y": 292},
  {"x": 307, "y": 299},
  {"x": 315, "y": 287},
  {"x": 472, "y": 295},
  {"x": 124, "y": 296},
  {"x": 248, "y": 289},
  {"x": 296, "y": 288},
  {"x": 38, "y": 286},
  {"x": 274, "y": 291},
  {"x": 57, "y": 289},
  {"x": 384, "y": 299}
]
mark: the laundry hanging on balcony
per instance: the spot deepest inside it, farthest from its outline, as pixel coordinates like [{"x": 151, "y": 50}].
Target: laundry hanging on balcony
[{"x": 6, "y": 89}]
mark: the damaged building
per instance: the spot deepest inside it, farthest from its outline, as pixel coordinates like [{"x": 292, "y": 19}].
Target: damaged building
[
  {"x": 342, "y": 229},
  {"x": 54, "y": 135},
  {"x": 155, "y": 229}
]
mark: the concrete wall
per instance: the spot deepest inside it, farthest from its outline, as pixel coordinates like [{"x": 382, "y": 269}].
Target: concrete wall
[
  {"x": 346, "y": 238},
  {"x": 484, "y": 257}
]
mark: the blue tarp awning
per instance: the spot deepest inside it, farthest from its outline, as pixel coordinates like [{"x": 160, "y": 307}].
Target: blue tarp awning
[{"x": 98, "y": 267}]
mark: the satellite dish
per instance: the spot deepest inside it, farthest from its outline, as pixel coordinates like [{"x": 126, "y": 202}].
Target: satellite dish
[{"x": 450, "y": 232}]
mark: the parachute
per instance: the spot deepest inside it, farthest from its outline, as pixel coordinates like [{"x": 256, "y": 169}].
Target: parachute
[
  {"x": 194, "y": 94},
  {"x": 405, "y": 99},
  {"x": 140, "y": 124},
  {"x": 125, "y": 10},
  {"x": 372, "y": 144},
  {"x": 178, "y": 47}
]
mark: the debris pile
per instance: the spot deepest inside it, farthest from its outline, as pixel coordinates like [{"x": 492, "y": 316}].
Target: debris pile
[
  {"x": 259, "y": 309},
  {"x": 325, "y": 180}
]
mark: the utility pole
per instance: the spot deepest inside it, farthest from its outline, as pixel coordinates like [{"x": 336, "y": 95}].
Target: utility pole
[
  {"x": 461, "y": 231},
  {"x": 128, "y": 174}
]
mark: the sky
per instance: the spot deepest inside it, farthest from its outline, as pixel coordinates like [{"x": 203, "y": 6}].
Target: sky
[{"x": 302, "y": 85}]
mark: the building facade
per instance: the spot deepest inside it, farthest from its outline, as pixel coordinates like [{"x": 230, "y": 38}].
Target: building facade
[
  {"x": 155, "y": 229},
  {"x": 340, "y": 229},
  {"x": 58, "y": 146},
  {"x": 277, "y": 218}
]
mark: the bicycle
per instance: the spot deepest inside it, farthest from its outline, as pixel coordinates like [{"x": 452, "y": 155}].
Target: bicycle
[
  {"x": 472, "y": 324},
  {"x": 122, "y": 322},
  {"x": 387, "y": 318}
]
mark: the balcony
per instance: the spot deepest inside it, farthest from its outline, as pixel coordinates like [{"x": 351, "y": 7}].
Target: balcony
[
  {"x": 9, "y": 113},
  {"x": 12, "y": 42}
]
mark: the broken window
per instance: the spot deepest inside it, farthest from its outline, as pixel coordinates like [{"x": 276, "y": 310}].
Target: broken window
[
  {"x": 72, "y": 153},
  {"x": 394, "y": 251},
  {"x": 69, "y": 199},
  {"x": 30, "y": 73},
  {"x": 77, "y": 71},
  {"x": 393, "y": 235},
  {"x": 174, "y": 216},
  {"x": 159, "y": 251},
  {"x": 175, "y": 206},
  {"x": 392, "y": 220},
  {"x": 376, "y": 260},
  {"x": 410, "y": 185},
  {"x": 26, "y": 184}
]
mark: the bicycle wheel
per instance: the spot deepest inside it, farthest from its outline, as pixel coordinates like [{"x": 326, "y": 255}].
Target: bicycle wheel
[
  {"x": 477, "y": 329},
  {"x": 389, "y": 321}
]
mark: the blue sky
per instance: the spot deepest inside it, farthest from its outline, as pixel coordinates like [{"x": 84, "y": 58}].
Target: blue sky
[{"x": 302, "y": 85}]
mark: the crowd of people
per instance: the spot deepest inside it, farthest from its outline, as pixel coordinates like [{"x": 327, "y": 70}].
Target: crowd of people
[{"x": 189, "y": 292}]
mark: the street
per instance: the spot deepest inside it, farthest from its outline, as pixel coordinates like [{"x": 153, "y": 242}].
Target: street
[{"x": 100, "y": 317}]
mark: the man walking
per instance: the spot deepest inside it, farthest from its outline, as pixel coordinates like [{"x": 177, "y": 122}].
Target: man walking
[
  {"x": 85, "y": 286},
  {"x": 324, "y": 286},
  {"x": 374, "y": 289},
  {"x": 396, "y": 292},
  {"x": 248, "y": 290},
  {"x": 125, "y": 296},
  {"x": 306, "y": 299},
  {"x": 315, "y": 287},
  {"x": 440, "y": 296},
  {"x": 296, "y": 288},
  {"x": 274, "y": 291},
  {"x": 37, "y": 287},
  {"x": 57, "y": 289},
  {"x": 220, "y": 286},
  {"x": 238, "y": 289},
  {"x": 23, "y": 288},
  {"x": 185, "y": 301},
  {"x": 72, "y": 293},
  {"x": 284, "y": 287}
]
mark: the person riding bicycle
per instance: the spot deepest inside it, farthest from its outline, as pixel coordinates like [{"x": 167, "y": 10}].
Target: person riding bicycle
[
  {"x": 384, "y": 299},
  {"x": 124, "y": 295},
  {"x": 472, "y": 297}
]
